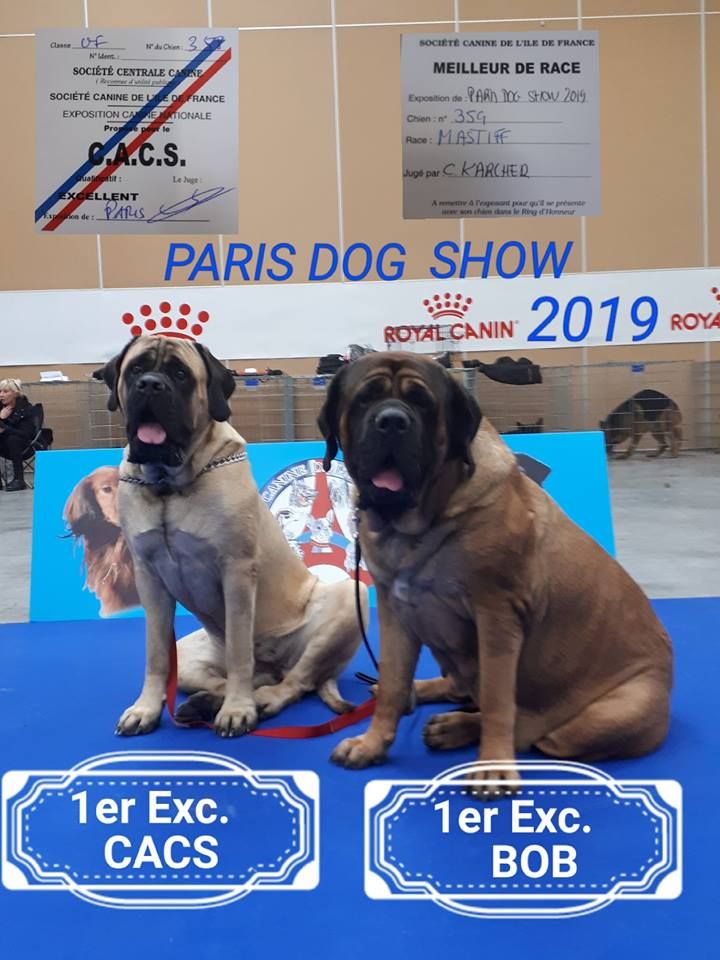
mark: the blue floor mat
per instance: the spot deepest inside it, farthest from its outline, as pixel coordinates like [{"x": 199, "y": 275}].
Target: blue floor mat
[{"x": 63, "y": 686}]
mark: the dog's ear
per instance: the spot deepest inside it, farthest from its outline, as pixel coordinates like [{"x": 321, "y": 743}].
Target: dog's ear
[
  {"x": 110, "y": 373},
  {"x": 329, "y": 417},
  {"x": 80, "y": 507},
  {"x": 220, "y": 384},
  {"x": 463, "y": 420}
]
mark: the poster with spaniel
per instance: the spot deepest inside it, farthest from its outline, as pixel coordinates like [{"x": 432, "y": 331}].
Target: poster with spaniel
[
  {"x": 82, "y": 569},
  {"x": 92, "y": 519}
]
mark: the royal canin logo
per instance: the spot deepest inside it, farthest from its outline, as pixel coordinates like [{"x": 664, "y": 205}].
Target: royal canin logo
[
  {"x": 162, "y": 323},
  {"x": 449, "y": 314},
  {"x": 448, "y": 306},
  {"x": 689, "y": 322}
]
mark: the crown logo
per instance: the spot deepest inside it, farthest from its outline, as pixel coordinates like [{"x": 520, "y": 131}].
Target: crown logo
[
  {"x": 163, "y": 324},
  {"x": 447, "y": 305},
  {"x": 715, "y": 292}
]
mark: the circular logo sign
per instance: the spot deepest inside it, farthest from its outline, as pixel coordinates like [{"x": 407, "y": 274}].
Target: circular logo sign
[{"x": 315, "y": 512}]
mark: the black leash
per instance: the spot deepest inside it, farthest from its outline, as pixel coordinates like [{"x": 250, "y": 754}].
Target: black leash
[{"x": 364, "y": 677}]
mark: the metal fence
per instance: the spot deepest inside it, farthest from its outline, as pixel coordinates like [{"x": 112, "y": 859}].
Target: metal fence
[
  {"x": 579, "y": 397},
  {"x": 286, "y": 408}
]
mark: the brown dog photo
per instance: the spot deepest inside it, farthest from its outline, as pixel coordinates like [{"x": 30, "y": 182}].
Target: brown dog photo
[{"x": 91, "y": 515}]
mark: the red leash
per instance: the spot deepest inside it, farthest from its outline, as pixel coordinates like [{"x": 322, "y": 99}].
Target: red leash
[{"x": 301, "y": 732}]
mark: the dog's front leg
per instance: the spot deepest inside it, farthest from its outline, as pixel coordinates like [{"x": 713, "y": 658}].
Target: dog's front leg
[
  {"x": 144, "y": 715},
  {"x": 238, "y": 714},
  {"x": 630, "y": 449},
  {"x": 398, "y": 658},
  {"x": 500, "y": 639}
]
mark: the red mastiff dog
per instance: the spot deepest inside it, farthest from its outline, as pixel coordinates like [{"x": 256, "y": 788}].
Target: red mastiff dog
[{"x": 532, "y": 623}]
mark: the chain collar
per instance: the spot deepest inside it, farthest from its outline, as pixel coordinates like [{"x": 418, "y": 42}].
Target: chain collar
[{"x": 234, "y": 458}]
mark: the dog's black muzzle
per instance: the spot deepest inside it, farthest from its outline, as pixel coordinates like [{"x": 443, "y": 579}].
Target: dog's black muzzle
[
  {"x": 391, "y": 440},
  {"x": 391, "y": 432},
  {"x": 153, "y": 398},
  {"x": 152, "y": 384},
  {"x": 391, "y": 421}
]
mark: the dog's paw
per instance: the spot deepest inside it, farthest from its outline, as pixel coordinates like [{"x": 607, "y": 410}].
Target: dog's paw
[
  {"x": 138, "y": 719},
  {"x": 342, "y": 706},
  {"x": 236, "y": 718},
  {"x": 493, "y": 784},
  {"x": 270, "y": 700},
  {"x": 199, "y": 707},
  {"x": 355, "y": 753},
  {"x": 447, "y": 731},
  {"x": 330, "y": 696}
]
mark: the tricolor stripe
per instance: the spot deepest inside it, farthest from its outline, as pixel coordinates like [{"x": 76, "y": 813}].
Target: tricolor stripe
[{"x": 141, "y": 138}]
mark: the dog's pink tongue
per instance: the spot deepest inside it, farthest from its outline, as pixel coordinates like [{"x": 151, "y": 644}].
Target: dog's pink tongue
[
  {"x": 151, "y": 433},
  {"x": 388, "y": 480}
]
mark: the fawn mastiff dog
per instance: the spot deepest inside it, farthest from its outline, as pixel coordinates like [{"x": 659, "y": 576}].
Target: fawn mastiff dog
[
  {"x": 200, "y": 535},
  {"x": 546, "y": 637}
]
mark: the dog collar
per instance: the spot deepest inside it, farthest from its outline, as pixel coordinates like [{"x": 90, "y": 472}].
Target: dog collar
[{"x": 221, "y": 462}]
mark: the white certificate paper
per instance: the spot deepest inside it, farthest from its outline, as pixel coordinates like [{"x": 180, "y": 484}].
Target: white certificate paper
[
  {"x": 500, "y": 124},
  {"x": 137, "y": 131}
]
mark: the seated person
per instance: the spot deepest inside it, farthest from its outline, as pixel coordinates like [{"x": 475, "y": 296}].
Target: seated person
[{"x": 17, "y": 429}]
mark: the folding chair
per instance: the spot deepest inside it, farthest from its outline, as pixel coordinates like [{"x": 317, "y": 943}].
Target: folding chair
[{"x": 42, "y": 440}]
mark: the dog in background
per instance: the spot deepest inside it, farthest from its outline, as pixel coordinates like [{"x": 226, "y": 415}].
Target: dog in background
[
  {"x": 91, "y": 515},
  {"x": 537, "y": 427},
  {"x": 648, "y": 411}
]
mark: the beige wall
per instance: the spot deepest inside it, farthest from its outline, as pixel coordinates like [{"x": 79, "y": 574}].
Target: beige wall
[{"x": 306, "y": 178}]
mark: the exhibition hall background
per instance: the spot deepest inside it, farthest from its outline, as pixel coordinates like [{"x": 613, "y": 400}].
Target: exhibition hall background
[{"x": 320, "y": 148}]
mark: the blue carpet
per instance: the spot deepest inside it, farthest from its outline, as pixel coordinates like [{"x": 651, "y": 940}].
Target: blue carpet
[{"x": 63, "y": 685}]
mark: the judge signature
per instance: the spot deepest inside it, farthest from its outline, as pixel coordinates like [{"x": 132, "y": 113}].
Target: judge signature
[{"x": 170, "y": 210}]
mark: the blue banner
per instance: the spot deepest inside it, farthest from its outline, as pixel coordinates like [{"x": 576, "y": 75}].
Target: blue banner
[{"x": 81, "y": 568}]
